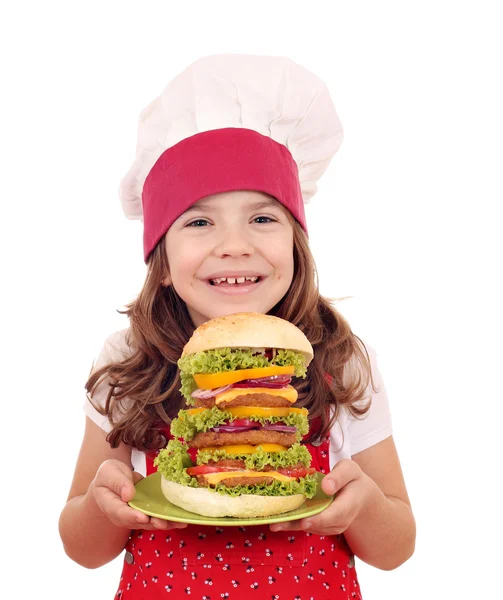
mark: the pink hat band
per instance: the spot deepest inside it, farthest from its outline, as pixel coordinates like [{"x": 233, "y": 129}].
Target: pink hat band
[{"x": 219, "y": 160}]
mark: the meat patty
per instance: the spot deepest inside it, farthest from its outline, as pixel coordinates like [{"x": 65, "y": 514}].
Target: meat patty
[
  {"x": 253, "y": 437},
  {"x": 233, "y": 481},
  {"x": 246, "y": 400},
  {"x": 227, "y": 462}
]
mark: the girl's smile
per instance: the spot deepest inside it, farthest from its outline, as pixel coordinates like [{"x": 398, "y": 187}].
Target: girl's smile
[
  {"x": 236, "y": 284},
  {"x": 231, "y": 252}
]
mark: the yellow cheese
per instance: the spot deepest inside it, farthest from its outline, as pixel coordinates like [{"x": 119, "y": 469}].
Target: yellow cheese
[
  {"x": 288, "y": 393},
  {"x": 247, "y": 448},
  {"x": 258, "y": 411},
  {"x": 213, "y": 478}
]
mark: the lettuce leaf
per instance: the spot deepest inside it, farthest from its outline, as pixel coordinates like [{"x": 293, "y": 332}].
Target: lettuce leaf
[
  {"x": 227, "y": 359},
  {"x": 305, "y": 485},
  {"x": 186, "y": 426},
  {"x": 173, "y": 461},
  {"x": 295, "y": 454}
]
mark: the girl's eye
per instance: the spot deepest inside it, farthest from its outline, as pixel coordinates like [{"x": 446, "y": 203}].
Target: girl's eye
[
  {"x": 263, "y": 219},
  {"x": 198, "y": 223}
]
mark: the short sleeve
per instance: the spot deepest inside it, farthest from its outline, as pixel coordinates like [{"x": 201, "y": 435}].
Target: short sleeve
[
  {"x": 375, "y": 426},
  {"x": 115, "y": 349}
]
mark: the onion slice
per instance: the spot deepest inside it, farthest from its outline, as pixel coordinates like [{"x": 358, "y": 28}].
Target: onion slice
[
  {"x": 275, "y": 382},
  {"x": 284, "y": 428},
  {"x": 230, "y": 429},
  {"x": 237, "y": 426},
  {"x": 206, "y": 394}
]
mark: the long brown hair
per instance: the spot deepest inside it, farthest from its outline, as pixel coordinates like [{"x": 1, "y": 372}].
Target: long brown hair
[{"x": 144, "y": 387}]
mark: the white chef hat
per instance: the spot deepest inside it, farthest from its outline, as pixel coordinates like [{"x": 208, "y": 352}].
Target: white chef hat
[{"x": 230, "y": 122}]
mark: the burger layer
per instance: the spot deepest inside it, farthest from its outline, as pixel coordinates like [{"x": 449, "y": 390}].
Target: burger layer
[
  {"x": 236, "y": 479},
  {"x": 258, "y": 458},
  {"x": 220, "y": 362},
  {"x": 248, "y": 399},
  {"x": 234, "y": 472},
  {"x": 240, "y": 419},
  {"x": 252, "y": 437},
  {"x": 174, "y": 463}
]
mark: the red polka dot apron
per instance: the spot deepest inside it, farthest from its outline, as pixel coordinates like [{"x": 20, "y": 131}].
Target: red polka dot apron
[{"x": 239, "y": 563}]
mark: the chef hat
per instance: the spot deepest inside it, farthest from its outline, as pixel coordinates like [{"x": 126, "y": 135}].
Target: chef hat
[{"x": 230, "y": 122}]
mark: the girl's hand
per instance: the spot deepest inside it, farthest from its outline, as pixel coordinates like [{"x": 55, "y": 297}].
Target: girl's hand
[
  {"x": 353, "y": 489},
  {"x": 113, "y": 488}
]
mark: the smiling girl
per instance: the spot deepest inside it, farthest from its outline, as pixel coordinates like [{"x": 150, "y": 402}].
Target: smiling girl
[{"x": 220, "y": 180}]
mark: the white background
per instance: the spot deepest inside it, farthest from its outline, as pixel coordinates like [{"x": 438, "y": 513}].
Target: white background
[{"x": 406, "y": 223}]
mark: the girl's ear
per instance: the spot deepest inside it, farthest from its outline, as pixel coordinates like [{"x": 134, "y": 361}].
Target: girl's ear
[{"x": 166, "y": 281}]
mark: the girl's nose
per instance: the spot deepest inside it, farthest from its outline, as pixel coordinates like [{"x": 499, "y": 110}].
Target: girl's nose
[{"x": 234, "y": 242}]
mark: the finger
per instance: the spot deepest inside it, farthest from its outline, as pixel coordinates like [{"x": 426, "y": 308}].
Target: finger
[
  {"x": 345, "y": 470},
  {"x": 116, "y": 476},
  {"x": 286, "y": 526},
  {"x": 163, "y": 524},
  {"x": 119, "y": 512},
  {"x": 128, "y": 490},
  {"x": 338, "y": 516}
]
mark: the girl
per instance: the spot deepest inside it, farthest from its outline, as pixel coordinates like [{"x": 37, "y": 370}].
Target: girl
[{"x": 226, "y": 157}]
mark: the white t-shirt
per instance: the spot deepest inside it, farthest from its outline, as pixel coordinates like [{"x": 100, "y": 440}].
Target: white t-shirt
[{"x": 348, "y": 436}]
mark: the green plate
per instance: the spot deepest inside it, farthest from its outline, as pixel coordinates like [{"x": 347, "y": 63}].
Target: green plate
[{"x": 150, "y": 500}]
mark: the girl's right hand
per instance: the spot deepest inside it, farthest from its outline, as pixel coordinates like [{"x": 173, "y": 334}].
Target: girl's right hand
[{"x": 113, "y": 488}]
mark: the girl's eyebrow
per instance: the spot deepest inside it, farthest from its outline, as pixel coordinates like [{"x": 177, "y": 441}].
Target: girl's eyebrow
[
  {"x": 261, "y": 204},
  {"x": 268, "y": 203},
  {"x": 197, "y": 207}
]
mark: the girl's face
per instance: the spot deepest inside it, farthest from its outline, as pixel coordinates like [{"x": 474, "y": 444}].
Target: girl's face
[{"x": 231, "y": 252}]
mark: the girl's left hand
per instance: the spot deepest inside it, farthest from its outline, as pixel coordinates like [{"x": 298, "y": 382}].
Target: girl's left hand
[{"x": 353, "y": 490}]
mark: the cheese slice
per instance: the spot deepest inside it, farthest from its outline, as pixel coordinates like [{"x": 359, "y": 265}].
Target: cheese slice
[
  {"x": 213, "y": 478},
  {"x": 288, "y": 393}
]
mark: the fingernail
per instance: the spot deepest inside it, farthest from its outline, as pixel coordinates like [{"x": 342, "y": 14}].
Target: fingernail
[
  {"x": 277, "y": 527},
  {"x": 307, "y": 524}
]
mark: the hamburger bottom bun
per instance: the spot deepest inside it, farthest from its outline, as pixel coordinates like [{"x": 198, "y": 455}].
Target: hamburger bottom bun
[{"x": 212, "y": 504}]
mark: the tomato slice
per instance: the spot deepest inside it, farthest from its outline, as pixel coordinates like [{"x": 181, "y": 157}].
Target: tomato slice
[
  {"x": 294, "y": 472},
  {"x": 209, "y": 381},
  {"x": 244, "y": 423},
  {"x": 201, "y": 470},
  {"x": 204, "y": 469}
]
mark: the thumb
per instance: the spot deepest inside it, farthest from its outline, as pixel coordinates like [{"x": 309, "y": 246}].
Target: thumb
[
  {"x": 117, "y": 477},
  {"x": 128, "y": 490},
  {"x": 328, "y": 485},
  {"x": 344, "y": 471}
]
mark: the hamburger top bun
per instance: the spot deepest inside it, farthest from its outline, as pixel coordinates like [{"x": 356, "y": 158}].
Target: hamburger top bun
[
  {"x": 212, "y": 504},
  {"x": 248, "y": 330}
]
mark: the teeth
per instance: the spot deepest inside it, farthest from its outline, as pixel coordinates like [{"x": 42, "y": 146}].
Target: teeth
[{"x": 233, "y": 280}]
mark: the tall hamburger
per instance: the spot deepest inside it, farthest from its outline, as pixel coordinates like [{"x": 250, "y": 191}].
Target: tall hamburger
[{"x": 236, "y": 451}]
